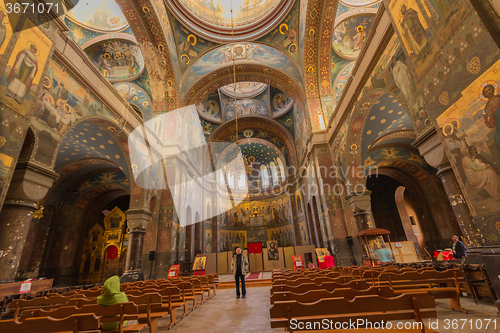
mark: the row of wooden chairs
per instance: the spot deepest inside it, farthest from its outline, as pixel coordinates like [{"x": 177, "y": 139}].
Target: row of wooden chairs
[
  {"x": 374, "y": 293},
  {"x": 149, "y": 301}
]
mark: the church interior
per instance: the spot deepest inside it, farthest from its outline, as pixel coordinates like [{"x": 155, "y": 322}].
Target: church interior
[{"x": 149, "y": 139}]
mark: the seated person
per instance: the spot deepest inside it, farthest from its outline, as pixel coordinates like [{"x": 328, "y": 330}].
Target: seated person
[{"x": 111, "y": 296}]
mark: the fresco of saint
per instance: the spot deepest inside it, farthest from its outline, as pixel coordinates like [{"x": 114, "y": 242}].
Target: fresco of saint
[{"x": 22, "y": 74}]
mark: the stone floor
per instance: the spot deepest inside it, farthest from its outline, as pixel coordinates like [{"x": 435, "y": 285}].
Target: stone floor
[{"x": 224, "y": 313}]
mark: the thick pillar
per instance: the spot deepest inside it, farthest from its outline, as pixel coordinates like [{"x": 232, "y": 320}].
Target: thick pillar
[
  {"x": 467, "y": 225},
  {"x": 432, "y": 149},
  {"x": 137, "y": 221},
  {"x": 29, "y": 185},
  {"x": 361, "y": 207}
]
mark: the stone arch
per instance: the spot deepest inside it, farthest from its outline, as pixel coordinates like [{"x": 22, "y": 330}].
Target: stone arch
[
  {"x": 150, "y": 23},
  {"x": 356, "y": 126},
  {"x": 257, "y": 122},
  {"x": 433, "y": 204},
  {"x": 222, "y": 76}
]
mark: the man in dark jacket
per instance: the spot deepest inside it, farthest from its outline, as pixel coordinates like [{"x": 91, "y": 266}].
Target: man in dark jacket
[
  {"x": 239, "y": 266},
  {"x": 459, "y": 249}
]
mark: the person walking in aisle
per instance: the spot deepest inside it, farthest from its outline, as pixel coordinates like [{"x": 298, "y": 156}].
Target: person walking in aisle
[{"x": 239, "y": 267}]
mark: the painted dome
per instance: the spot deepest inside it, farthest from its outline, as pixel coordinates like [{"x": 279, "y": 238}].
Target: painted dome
[
  {"x": 244, "y": 89},
  {"x": 103, "y": 16},
  {"x": 218, "y": 12}
]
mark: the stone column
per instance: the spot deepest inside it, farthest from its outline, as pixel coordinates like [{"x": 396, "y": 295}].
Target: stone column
[
  {"x": 30, "y": 183},
  {"x": 432, "y": 149},
  {"x": 137, "y": 221},
  {"x": 361, "y": 207},
  {"x": 469, "y": 229}
]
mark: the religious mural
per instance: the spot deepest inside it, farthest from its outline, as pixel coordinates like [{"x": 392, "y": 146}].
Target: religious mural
[
  {"x": 280, "y": 103},
  {"x": 209, "y": 108},
  {"x": 228, "y": 238},
  {"x": 225, "y": 12},
  {"x": 189, "y": 45},
  {"x": 242, "y": 53},
  {"x": 103, "y": 16},
  {"x": 341, "y": 79},
  {"x": 117, "y": 60},
  {"x": 245, "y": 107},
  {"x": 471, "y": 132},
  {"x": 134, "y": 94},
  {"x": 283, "y": 236},
  {"x": 285, "y": 36},
  {"x": 258, "y": 213},
  {"x": 301, "y": 130},
  {"x": 7, "y": 21},
  {"x": 413, "y": 19},
  {"x": 303, "y": 233},
  {"x": 24, "y": 69},
  {"x": 350, "y": 34},
  {"x": 62, "y": 101}
]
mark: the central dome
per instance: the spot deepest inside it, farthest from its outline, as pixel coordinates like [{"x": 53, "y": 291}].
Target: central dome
[
  {"x": 244, "y": 89},
  {"x": 218, "y": 12},
  {"x": 212, "y": 18}
]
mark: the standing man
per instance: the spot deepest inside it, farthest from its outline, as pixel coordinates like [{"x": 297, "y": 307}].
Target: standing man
[
  {"x": 459, "y": 249},
  {"x": 239, "y": 266}
]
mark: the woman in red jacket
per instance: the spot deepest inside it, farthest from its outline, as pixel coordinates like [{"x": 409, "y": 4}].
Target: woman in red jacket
[{"x": 329, "y": 260}]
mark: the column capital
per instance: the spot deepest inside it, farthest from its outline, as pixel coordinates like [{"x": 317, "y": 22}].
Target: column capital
[
  {"x": 138, "y": 218},
  {"x": 359, "y": 202},
  {"x": 431, "y": 148},
  {"x": 30, "y": 182}
]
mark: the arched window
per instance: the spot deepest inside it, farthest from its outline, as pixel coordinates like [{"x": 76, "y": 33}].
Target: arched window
[
  {"x": 282, "y": 169},
  {"x": 242, "y": 181},
  {"x": 274, "y": 173},
  {"x": 264, "y": 175},
  {"x": 230, "y": 179}
]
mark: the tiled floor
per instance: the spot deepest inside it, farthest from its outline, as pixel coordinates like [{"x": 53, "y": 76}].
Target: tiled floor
[{"x": 225, "y": 314}]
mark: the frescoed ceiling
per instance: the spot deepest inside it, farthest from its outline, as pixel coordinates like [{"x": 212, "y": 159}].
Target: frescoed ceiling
[
  {"x": 386, "y": 115},
  {"x": 89, "y": 140},
  {"x": 103, "y": 16},
  {"x": 252, "y": 99},
  {"x": 254, "y": 150},
  {"x": 218, "y": 12}
]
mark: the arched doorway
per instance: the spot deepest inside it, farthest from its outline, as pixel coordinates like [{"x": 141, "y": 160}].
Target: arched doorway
[
  {"x": 111, "y": 261},
  {"x": 410, "y": 218}
]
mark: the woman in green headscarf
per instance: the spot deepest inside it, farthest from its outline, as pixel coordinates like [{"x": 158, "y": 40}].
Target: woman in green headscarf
[{"x": 111, "y": 296}]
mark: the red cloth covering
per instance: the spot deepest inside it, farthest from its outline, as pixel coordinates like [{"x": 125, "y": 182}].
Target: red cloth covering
[
  {"x": 329, "y": 261},
  {"x": 447, "y": 255},
  {"x": 321, "y": 265}
]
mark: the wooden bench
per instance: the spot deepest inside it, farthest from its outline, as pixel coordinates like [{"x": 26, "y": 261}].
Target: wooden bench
[
  {"x": 371, "y": 309},
  {"x": 428, "y": 281},
  {"x": 120, "y": 312},
  {"x": 318, "y": 294},
  {"x": 353, "y": 284},
  {"x": 296, "y": 282},
  {"x": 88, "y": 323}
]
